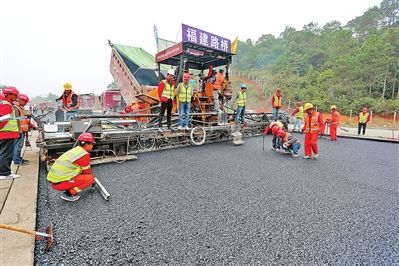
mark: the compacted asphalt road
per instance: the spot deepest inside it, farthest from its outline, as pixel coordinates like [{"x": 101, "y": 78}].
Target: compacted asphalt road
[{"x": 221, "y": 204}]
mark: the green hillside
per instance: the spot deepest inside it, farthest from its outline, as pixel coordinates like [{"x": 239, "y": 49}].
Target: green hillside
[{"x": 347, "y": 65}]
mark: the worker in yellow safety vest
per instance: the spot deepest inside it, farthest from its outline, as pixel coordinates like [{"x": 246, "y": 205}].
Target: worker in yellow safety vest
[
  {"x": 241, "y": 104},
  {"x": 363, "y": 119},
  {"x": 184, "y": 92},
  {"x": 166, "y": 94},
  {"x": 71, "y": 172},
  {"x": 277, "y": 103},
  {"x": 9, "y": 131},
  {"x": 298, "y": 112}
]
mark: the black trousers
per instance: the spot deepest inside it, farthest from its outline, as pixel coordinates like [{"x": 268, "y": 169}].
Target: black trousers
[
  {"x": 166, "y": 106},
  {"x": 360, "y": 126},
  {"x": 6, "y": 152}
]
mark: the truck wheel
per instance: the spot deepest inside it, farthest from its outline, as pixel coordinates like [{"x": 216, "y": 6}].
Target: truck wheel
[{"x": 198, "y": 136}]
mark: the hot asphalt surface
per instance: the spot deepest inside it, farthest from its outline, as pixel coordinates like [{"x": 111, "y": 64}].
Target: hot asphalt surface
[{"x": 219, "y": 204}]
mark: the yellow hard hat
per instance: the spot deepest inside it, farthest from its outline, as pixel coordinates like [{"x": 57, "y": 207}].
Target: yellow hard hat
[
  {"x": 67, "y": 86},
  {"x": 307, "y": 106},
  {"x": 333, "y": 107}
]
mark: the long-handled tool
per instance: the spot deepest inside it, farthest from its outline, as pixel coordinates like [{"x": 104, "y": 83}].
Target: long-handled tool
[
  {"x": 100, "y": 186},
  {"x": 263, "y": 142},
  {"x": 102, "y": 189},
  {"x": 48, "y": 234},
  {"x": 344, "y": 129}
]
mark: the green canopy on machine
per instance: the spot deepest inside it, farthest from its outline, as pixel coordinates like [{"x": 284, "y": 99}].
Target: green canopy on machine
[{"x": 140, "y": 63}]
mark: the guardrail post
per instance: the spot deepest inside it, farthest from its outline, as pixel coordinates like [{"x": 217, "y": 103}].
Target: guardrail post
[
  {"x": 371, "y": 115},
  {"x": 393, "y": 125}
]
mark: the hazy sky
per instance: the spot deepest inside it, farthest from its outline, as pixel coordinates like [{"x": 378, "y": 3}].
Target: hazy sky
[{"x": 44, "y": 43}]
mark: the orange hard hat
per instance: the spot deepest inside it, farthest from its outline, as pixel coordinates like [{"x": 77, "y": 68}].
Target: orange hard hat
[{"x": 86, "y": 137}]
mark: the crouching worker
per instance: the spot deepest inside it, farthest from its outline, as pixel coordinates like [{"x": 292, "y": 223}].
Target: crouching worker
[
  {"x": 274, "y": 127},
  {"x": 71, "y": 172},
  {"x": 290, "y": 144}
]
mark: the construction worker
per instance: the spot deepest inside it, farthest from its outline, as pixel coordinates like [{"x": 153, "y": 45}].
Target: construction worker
[
  {"x": 314, "y": 125},
  {"x": 241, "y": 103},
  {"x": 131, "y": 108},
  {"x": 71, "y": 172},
  {"x": 277, "y": 98},
  {"x": 9, "y": 131},
  {"x": 298, "y": 112},
  {"x": 333, "y": 122},
  {"x": 363, "y": 119},
  {"x": 217, "y": 89},
  {"x": 184, "y": 92},
  {"x": 274, "y": 127},
  {"x": 166, "y": 94},
  {"x": 24, "y": 127},
  {"x": 70, "y": 102},
  {"x": 289, "y": 143}
]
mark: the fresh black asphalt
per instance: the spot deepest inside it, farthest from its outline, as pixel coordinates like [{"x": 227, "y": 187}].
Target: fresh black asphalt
[{"x": 220, "y": 204}]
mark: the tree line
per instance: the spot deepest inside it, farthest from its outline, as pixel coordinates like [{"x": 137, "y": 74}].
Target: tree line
[{"x": 350, "y": 65}]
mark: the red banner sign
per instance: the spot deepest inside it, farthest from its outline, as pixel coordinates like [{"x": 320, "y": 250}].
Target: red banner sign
[{"x": 168, "y": 53}]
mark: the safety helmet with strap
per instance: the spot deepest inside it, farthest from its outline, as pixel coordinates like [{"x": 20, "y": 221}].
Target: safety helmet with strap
[
  {"x": 67, "y": 86},
  {"x": 23, "y": 97},
  {"x": 307, "y": 106},
  {"x": 10, "y": 90},
  {"x": 86, "y": 137}
]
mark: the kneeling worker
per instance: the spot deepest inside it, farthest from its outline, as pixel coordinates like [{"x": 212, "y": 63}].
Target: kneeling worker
[
  {"x": 71, "y": 172},
  {"x": 290, "y": 143}
]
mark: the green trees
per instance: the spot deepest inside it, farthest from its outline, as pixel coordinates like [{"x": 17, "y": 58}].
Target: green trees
[{"x": 348, "y": 65}]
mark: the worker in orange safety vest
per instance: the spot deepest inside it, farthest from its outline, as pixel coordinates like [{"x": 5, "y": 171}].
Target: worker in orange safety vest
[
  {"x": 314, "y": 125},
  {"x": 24, "y": 127},
  {"x": 70, "y": 102},
  {"x": 333, "y": 122},
  {"x": 217, "y": 89}
]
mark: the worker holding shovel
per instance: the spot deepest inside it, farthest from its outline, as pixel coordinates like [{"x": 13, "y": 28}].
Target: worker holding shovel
[{"x": 71, "y": 172}]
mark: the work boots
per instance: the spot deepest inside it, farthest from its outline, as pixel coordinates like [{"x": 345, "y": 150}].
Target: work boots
[{"x": 68, "y": 197}]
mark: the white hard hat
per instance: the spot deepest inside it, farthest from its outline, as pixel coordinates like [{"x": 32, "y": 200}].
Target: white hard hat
[{"x": 171, "y": 72}]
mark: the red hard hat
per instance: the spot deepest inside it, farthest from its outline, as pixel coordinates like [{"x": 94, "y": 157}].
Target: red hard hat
[
  {"x": 23, "y": 97},
  {"x": 86, "y": 137},
  {"x": 280, "y": 133},
  {"x": 10, "y": 90},
  {"x": 275, "y": 129}
]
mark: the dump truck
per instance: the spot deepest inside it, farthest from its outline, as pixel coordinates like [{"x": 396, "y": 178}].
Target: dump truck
[
  {"x": 112, "y": 101},
  {"x": 86, "y": 103}
]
